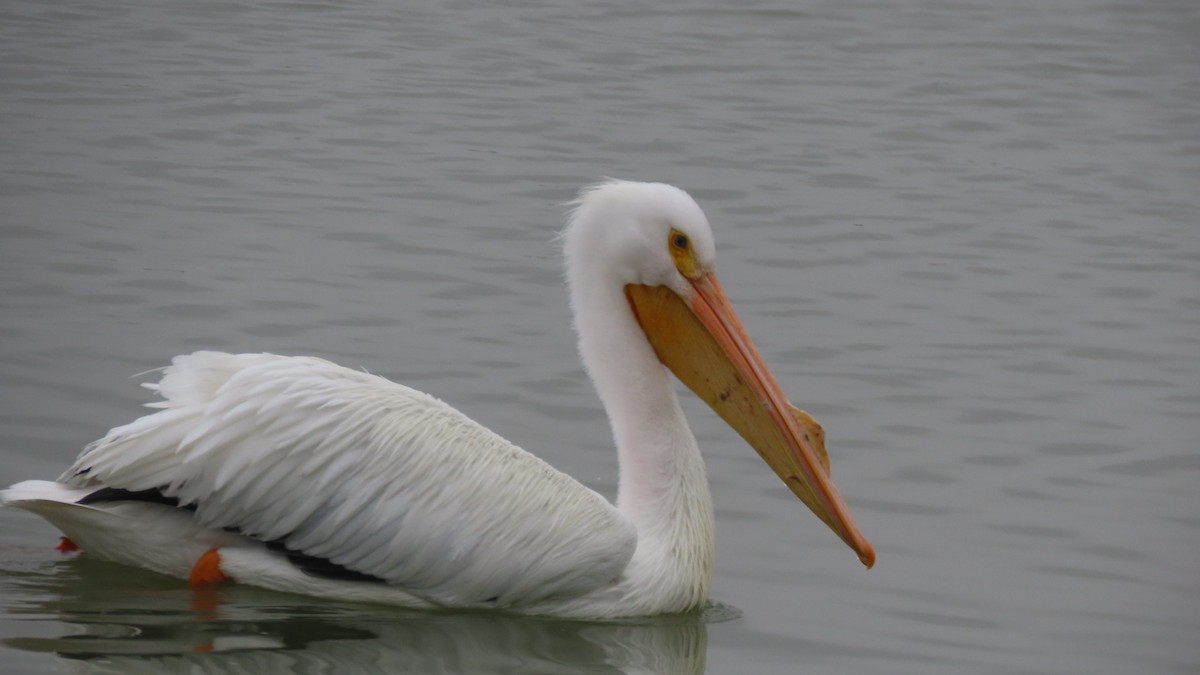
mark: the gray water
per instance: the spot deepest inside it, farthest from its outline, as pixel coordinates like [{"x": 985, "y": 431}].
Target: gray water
[{"x": 964, "y": 235}]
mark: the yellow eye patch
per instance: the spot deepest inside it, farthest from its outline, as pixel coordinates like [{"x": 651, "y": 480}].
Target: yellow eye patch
[{"x": 683, "y": 254}]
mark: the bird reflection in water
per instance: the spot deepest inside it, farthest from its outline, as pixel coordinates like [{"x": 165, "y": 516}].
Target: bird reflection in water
[{"x": 117, "y": 622}]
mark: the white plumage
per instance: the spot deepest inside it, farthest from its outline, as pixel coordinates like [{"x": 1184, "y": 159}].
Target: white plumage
[
  {"x": 351, "y": 467},
  {"x": 383, "y": 481}
]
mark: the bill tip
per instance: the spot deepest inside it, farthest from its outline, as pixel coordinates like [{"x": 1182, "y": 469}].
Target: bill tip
[{"x": 867, "y": 556}]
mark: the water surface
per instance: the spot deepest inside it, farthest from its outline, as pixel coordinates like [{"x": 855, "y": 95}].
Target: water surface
[{"x": 963, "y": 234}]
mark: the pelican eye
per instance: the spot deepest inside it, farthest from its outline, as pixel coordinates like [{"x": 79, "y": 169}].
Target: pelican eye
[{"x": 683, "y": 255}]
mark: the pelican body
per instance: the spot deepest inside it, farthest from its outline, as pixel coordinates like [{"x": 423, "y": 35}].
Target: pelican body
[{"x": 295, "y": 474}]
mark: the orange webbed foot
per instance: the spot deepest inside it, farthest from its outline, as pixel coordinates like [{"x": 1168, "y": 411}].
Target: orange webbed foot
[{"x": 207, "y": 569}]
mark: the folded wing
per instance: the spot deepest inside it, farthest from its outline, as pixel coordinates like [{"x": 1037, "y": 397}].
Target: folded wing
[{"x": 372, "y": 475}]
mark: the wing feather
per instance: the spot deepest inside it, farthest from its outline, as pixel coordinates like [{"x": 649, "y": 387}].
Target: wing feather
[{"x": 372, "y": 475}]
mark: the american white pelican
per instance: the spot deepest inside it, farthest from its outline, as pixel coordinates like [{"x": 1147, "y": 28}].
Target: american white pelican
[{"x": 296, "y": 474}]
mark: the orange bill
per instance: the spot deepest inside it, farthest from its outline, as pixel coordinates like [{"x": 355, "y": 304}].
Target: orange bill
[{"x": 702, "y": 341}]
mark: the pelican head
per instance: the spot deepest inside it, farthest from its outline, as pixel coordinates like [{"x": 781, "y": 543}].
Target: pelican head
[{"x": 641, "y": 261}]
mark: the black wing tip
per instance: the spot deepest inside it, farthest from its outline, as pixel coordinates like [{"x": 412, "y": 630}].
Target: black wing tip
[
  {"x": 151, "y": 496},
  {"x": 322, "y": 568}
]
